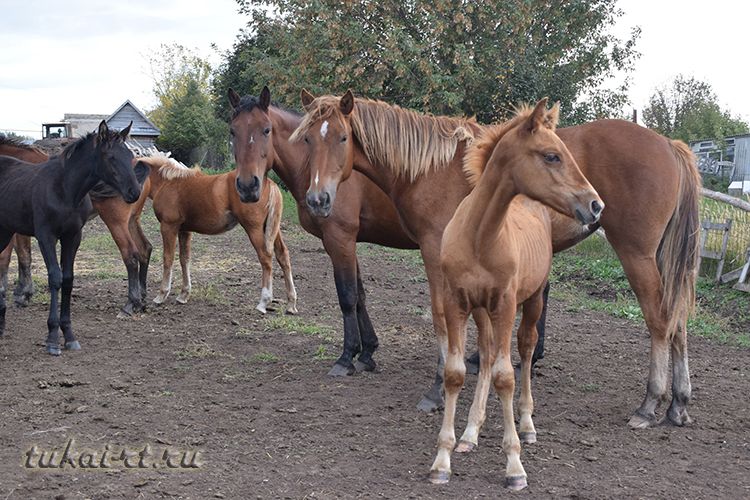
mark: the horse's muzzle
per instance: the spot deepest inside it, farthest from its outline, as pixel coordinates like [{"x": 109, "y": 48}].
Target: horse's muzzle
[
  {"x": 249, "y": 192},
  {"x": 319, "y": 203},
  {"x": 132, "y": 195},
  {"x": 591, "y": 214}
]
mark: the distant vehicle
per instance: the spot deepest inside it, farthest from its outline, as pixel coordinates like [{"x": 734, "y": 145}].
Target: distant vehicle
[{"x": 56, "y": 130}]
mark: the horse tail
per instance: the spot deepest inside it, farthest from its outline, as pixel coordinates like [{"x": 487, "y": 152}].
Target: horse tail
[
  {"x": 677, "y": 256},
  {"x": 272, "y": 224}
]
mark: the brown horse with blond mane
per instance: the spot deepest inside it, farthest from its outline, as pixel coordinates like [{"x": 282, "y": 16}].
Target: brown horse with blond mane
[
  {"x": 186, "y": 200},
  {"x": 496, "y": 256},
  {"x": 649, "y": 183}
]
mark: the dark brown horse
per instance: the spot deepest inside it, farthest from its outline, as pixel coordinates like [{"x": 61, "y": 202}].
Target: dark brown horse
[
  {"x": 50, "y": 201},
  {"x": 121, "y": 218},
  {"x": 649, "y": 184},
  {"x": 260, "y": 137},
  {"x": 22, "y": 244}
]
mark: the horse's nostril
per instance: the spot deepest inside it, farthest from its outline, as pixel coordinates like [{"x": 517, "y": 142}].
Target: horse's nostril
[{"x": 596, "y": 207}]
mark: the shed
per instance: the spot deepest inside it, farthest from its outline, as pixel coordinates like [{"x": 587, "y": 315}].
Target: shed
[
  {"x": 711, "y": 158},
  {"x": 143, "y": 132}
]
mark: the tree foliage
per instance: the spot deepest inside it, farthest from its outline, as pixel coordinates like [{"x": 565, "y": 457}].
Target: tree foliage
[
  {"x": 689, "y": 110},
  {"x": 442, "y": 56},
  {"x": 185, "y": 113}
]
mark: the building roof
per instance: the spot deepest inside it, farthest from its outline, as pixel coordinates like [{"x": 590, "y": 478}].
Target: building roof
[{"x": 123, "y": 115}]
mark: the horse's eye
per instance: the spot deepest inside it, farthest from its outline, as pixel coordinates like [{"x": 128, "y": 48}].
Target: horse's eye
[
  {"x": 343, "y": 138},
  {"x": 551, "y": 158},
  {"x": 266, "y": 130},
  {"x": 307, "y": 141}
]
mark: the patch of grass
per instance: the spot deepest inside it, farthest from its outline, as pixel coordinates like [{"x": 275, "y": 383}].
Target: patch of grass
[
  {"x": 196, "y": 350},
  {"x": 295, "y": 325},
  {"x": 590, "y": 277},
  {"x": 591, "y": 387},
  {"x": 208, "y": 292},
  {"x": 266, "y": 357},
  {"x": 244, "y": 333},
  {"x": 323, "y": 354},
  {"x": 290, "y": 213}
]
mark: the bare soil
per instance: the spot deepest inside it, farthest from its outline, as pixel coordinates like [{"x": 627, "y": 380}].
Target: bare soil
[{"x": 251, "y": 395}]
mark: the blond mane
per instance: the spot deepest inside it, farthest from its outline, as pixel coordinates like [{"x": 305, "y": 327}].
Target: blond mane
[
  {"x": 169, "y": 168},
  {"x": 478, "y": 153},
  {"x": 410, "y": 143}
]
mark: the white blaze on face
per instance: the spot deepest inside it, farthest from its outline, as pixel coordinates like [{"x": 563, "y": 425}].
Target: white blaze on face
[
  {"x": 317, "y": 177},
  {"x": 252, "y": 139},
  {"x": 324, "y": 129}
]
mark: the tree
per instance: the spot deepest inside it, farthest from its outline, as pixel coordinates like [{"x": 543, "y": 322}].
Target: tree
[
  {"x": 688, "y": 109},
  {"x": 185, "y": 113},
  {"x": 442, "y": 56}
]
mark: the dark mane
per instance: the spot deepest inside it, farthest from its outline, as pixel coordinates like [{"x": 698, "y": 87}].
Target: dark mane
[
  {"x": 249, "y": 103},
  {"x": 9, "y": 141}
]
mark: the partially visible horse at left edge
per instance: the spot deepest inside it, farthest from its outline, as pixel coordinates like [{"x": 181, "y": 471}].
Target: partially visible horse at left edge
[{"x": 50, "y": 201}]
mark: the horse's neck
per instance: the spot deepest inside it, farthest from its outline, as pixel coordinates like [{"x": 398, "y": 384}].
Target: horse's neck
[
  {"x": 78, "y": 175},
  {"x": 488, "y": 206},
  {"x": 381, "y": 175},
  {"x": 290, "y": 162},
  {"x": 156, "y": 179}
]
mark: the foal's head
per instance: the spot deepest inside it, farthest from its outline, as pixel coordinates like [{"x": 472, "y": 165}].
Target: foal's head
[
  {"x": 252, "y": 143},
  {"x": 327, "y": 132},
  {"x": 540, "y": 165},
  {"x": 112, "y": 160}
]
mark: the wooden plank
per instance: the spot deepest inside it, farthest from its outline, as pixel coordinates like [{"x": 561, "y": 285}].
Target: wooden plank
[{"x": 735, "y": 202}]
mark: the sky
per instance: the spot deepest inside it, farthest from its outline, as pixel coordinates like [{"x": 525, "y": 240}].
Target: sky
[{"x": 89, "y": 56}]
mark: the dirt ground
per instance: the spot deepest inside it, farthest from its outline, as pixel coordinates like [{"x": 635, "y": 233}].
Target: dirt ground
[{"x": 250, "y": 394}]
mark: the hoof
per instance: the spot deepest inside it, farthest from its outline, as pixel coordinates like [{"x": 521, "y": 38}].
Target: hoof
[
  {"x": 53, "y": 350},
  {"x": 292, "y": 310},
  {"x": 428, "y": 406},
  {"x": 73, "y": 346},
  {"x": 366, "y": 366},
  {"x": 182, "y": 300},
  {"x": 527, "y": 437},
  {"x": 159, "y": 299},
  {"x": 638, "y": 421},
  {"x": 339, "y": 370},
  {"x": 22, "y": 301},
  {"x": 679, "y": 417},
  {"x": 440, "y": 476},
  {"x": 465, "y": 446},
  {"x": 261, "y": 308},
  {"x": 515, "y": 483}
]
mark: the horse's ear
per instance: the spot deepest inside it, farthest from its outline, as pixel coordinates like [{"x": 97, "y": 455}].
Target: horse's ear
[
  {"x": 265, "y": 98},
  {"x": 537, "y": 117},
  {"x": 306, "y": 97},
  {"x": 102, "y": 133},
  {"x": 234, "y": 98},
  {"x": 141, "y": 170},
  {"x": 553, "y": 116},
  {"x": 126, "y": 131},
  {"x": 347, "y": 102}
]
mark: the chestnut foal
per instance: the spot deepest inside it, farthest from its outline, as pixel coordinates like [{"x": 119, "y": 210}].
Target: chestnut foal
[{"x": 496, "y": 255}]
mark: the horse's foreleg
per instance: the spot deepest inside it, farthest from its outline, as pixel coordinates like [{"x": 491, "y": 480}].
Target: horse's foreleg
[
  {"x": 257, "y": 239},
  {"x": 187, "y": 284},
  {"x": 129, "y": 252},
  {"x": 47, "y": 245},
  {"x": 365, "y": 361},
  {"x": 433, "y": 398},
  {"x": 169, "y": 241},
  {"x": 144, "y": 253},
  {"x": 282, "y": 256},
  {"x": 477, "y": 413},
  {"x": 503, "y": 379},
  {"x": 6, "y": 248},
  {"x": 25, "y": 288},
  {"x": 69, "y": 247},
  {"x": 646, "y": 283},
  {"x": 455, "y": 372},
  {"x": 527, "y": 340}
]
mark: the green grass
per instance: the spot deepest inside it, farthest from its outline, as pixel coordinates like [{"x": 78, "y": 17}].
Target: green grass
[
  {"x": 265, "y": 357},
  {"x": 590, "y": 277},
  {"x": 296, "y": 325},
  {"x": 739, "y": 235}
]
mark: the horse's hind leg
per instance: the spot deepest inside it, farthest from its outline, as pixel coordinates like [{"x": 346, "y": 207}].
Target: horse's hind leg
[
  {"x": 169, "y": 241},
  {"x": 25, "y": 288},
  {"x": 677, "y": 413},
  {"x": 144, "y": 253},
  {"x": 129, "y": 253},
  {"x": 6, "y": 244},
  {"x": 645, "y": 280},
  {"x": 187, "y": 284},
  {"x": 282, "y": 256},
  {"x": 69, "y": 247}
]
